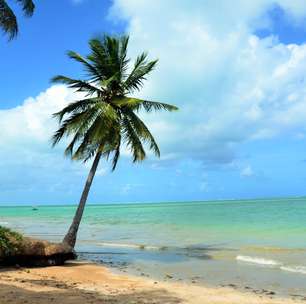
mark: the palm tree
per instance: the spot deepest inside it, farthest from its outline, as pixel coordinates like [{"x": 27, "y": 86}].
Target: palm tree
[
  {"x": 107, "y": 117},
  {"x": 8, "y": 20}
]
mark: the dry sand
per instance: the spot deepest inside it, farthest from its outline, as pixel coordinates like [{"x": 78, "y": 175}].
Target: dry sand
[{"x": 82, "y": 283}]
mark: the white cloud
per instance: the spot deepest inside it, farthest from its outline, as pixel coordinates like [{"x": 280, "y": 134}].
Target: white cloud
[
  {"x": 25, "y": 147},
  {"x": 247, "y": 171},
  {"x": 77, "y": 1},
  {"x": 32, "y": 121},
  {"x": 231, "y": 86},
  {"x": 128, "y": 188}
]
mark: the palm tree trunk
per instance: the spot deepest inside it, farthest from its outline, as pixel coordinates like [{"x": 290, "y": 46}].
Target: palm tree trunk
[{"x": 71, "y": 235}]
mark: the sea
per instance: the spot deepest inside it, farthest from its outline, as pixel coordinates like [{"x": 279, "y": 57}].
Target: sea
[{"x": 256, "y": 245}]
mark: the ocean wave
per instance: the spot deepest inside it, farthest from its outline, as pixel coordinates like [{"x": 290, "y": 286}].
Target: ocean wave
[
  {"x": 269, "y": 249},
  {"x": 134, "y": 246},
  {"x": 4, "y": 223},
  {"x": 257, "y": 260},
  {"x": 187, "y": 249},
  {"x": 296, "y": 269},
  {"x": 272, "y": 263}
]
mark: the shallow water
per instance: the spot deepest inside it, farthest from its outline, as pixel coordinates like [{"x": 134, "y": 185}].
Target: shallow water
[{"x": 251, "y": 243}]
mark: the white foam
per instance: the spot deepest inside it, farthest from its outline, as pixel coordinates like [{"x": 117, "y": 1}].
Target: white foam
[
  {"x": 4, "y": 223},
  {"x": 296, "y": 269},
  {"x": 257, "y": 260},
  {"x": 271, "y": 263},
  {"x": 127, "y": 245},
  {"x": 118, "y": 245}
]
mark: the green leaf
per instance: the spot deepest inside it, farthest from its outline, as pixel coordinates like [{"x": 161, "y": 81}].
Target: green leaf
[
  {"x": 132, "y": 140},
  {"x": 92, "y": 71},
  {"x": 8, "y": 21},
  {"x": 27, "y": 6},
  {"x": 137, "y": 104},
  {"x": 76, "y": 106},
  {"x": 142, "y": 131},
  {"x": 141, "y": 68},
  {"x": 78, "y": 85}
]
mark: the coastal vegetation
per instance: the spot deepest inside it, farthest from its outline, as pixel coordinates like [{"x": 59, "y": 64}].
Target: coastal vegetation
[
  {"x": 18, "y": 250},
  {"x": 10, "y": 242},
  {"x": 106, "y": 118},
  {"x": 8, "y": 20}
]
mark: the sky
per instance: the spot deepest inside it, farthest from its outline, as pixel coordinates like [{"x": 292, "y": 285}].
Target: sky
[{"x": 237, "y": 75}]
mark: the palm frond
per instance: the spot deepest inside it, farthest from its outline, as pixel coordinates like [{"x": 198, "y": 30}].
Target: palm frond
[
  {"x": 78, "y": 85},
  {"x": 117, "y": 48},
  {"x": 108, "y": 56},
  {"x": 90, "y": 141},
  {"x": 73, "y": 123},
  {"x": 132, "y": 140},
  {"x": 99, "y": 57},
  {"x": 156, "y": 106},
  {"x": 91, "y": 70},
  {"x": 77, "y": 106},
  {"x": 141, "y": 68},
  {"x": 124, "y": 61},
  {"x": 87, "y": 146},
  {"x": 85, "y": 151},
  {"x": 102, "y": 131},
  {"x": 28, "y": 7},
  {"x": 137, "y": 104},
  {"x": 112, "y": 46},
  {"x": 142, "y": 131},
  {"x": 79, "y": 134},
  {"x": 112, "y": 148},
  {"x": 8, "y": 21}
]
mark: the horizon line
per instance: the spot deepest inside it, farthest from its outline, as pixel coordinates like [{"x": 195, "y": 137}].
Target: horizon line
[{"x": 156, "y": 202}]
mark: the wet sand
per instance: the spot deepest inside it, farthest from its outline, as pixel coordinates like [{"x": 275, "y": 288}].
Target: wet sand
[{"x": 82, "y": 282}]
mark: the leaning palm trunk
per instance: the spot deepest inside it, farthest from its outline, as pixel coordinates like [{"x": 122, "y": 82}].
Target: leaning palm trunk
[{"x": 71, "y": 235}]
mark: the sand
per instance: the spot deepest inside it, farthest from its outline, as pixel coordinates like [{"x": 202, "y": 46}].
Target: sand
[{"x": 82, "y": 283}]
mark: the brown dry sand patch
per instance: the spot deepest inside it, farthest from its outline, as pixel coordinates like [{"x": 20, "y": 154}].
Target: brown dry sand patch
[{"x": 82, "y": 283}]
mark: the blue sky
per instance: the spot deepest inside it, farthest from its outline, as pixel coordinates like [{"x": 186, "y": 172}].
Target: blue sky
[
  {"x": 237, "y": 76},
  {"x": 56, "y": 26}
]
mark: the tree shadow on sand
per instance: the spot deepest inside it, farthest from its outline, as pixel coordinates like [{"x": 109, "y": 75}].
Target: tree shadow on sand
[{"x": 65, "y": 294}]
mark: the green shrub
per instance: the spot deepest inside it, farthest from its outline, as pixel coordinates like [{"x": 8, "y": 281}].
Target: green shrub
[{"x": 9, "y": 241}]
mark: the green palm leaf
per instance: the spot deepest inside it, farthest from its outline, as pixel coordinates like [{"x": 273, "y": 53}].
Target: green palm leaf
[
  {"x": 73, "y": 124},
  {"x": 92, "y": 71},
  {"x": 8, "y": 20},
  {"x": 141, "y": 68},
  {"x": 27, "y": 6},
  {"x": 132, "y": 140},
  {"x": 142, "y": 131},
  {"x": 78, "y": 85},
  {"x": 76, "y": 106},
  {"x": 137, "y": 104}
]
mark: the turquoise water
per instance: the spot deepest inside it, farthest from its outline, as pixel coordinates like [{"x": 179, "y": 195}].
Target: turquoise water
[{"x": 187, "y": 238}]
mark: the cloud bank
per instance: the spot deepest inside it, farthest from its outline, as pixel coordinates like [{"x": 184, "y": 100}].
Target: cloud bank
[{"x": 231, "y": 86}]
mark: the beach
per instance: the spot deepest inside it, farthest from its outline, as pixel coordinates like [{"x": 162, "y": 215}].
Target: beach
[
  {"x": 190, "y": 252},
  {"x": 250, "y": 244},
  {"x": 87, "y": 282}
]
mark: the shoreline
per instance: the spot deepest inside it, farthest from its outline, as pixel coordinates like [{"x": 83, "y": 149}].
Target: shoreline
[{"x": 87, "y": 282}]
